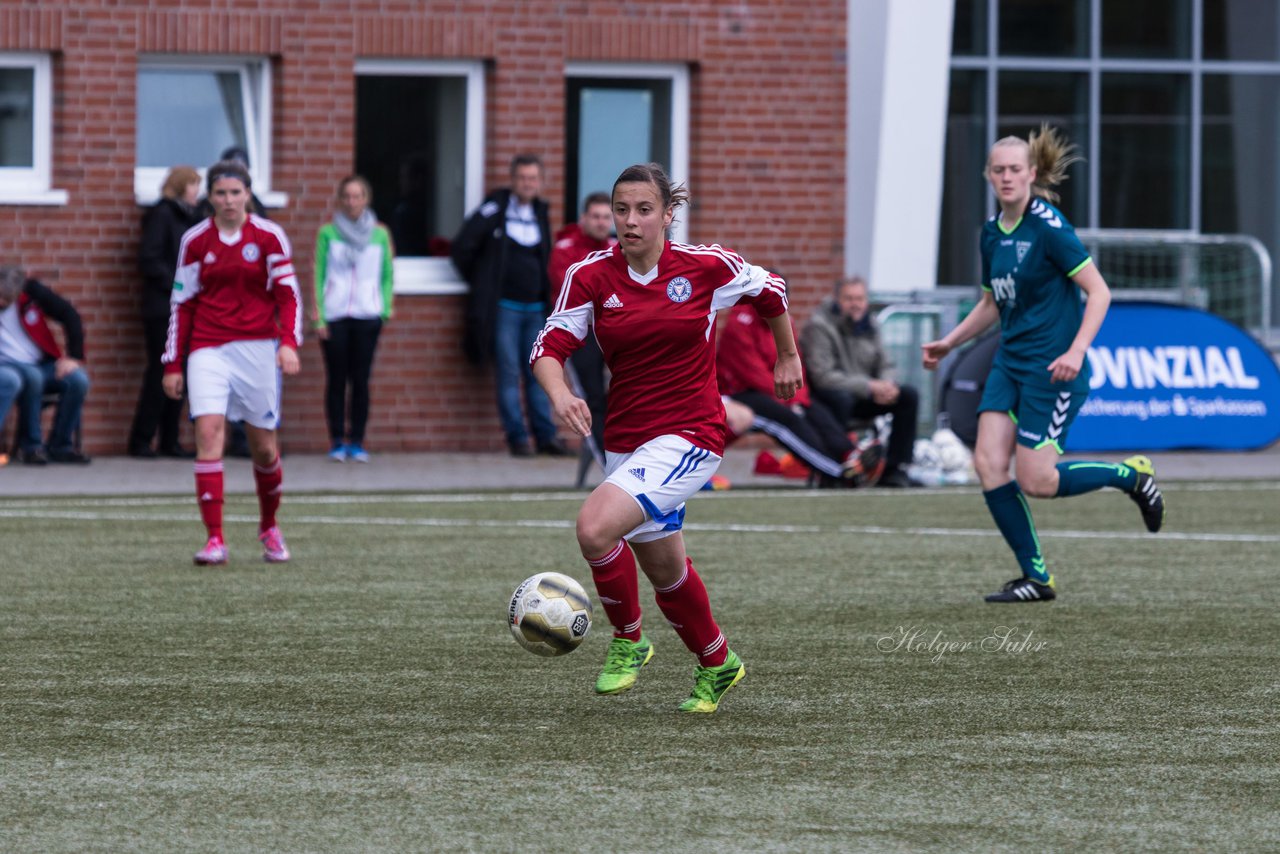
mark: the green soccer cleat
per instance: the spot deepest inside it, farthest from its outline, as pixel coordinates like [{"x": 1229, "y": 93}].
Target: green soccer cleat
[
  {"x": 710, "y": 683},
  {"x": 1146, "y": 494},
  {"x": 622, "y": 664}
]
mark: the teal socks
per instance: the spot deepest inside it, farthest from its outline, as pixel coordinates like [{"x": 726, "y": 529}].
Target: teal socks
[
  {"x": 1009, "y": 508},
  {"x": 1082, "y": 477}
]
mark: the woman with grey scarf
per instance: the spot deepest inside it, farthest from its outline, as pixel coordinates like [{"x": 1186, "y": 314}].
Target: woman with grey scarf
[{"x": 354, "y": 280}]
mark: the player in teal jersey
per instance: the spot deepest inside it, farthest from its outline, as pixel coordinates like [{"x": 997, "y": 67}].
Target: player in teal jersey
[{"x": 1033, "y": 272}]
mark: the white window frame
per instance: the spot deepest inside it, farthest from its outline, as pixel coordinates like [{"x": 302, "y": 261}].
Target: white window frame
[
  {"x": 255, "y": 89},
  {"x": 31, "y": 185},
  {"x": 679, "y": 77},
  {"x": 438, "y": 276}
]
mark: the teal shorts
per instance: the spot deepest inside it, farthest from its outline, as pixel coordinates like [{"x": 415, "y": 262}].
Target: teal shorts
[{"x": 1042, "y": 415}]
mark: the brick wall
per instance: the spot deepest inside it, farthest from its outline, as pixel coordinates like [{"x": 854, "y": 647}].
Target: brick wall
[{"x": 767, "y": 151}]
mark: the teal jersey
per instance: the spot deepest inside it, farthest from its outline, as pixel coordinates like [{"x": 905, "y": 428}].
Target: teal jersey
[{"x": 1028, "y": 270}]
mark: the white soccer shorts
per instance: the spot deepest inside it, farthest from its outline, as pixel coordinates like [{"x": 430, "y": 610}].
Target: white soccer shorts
[
  {"x": 239, "y": 379},
  {"x": 661, "y": 475}
]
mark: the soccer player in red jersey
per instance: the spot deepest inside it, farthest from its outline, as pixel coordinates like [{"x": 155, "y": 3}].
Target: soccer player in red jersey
[
  {"x": 235, "y": 321},
  {"x": 653, "y": 306}
]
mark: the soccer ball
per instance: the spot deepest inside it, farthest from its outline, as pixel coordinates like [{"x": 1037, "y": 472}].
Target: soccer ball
[{"x": 549, "y": 614}]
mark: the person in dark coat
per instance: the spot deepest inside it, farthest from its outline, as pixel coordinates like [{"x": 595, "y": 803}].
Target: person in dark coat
[
  {"x": 502, "y": 252},
  {"x": 163, "y": 225}
]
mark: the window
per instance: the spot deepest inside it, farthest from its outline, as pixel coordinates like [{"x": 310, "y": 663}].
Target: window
[
  {"x": 420, "y": 144},
  {"x": 191, "y": 110},
  {"x": 618, "y": 115},
  {"x": 26, "y": 125},
  {"x": 1044, "y": 27},
  {"x": 1146, "y": 137},
  {"x": 964, "y": 189},
  {"x": 1154, "y": 29},
  {"x": 1241, "y": 30}
]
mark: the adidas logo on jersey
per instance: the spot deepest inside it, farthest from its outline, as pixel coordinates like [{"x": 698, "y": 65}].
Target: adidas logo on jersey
[
  {"x": 638, "y": 474},
  {"x": 613, "y": 302},
  {"x": 209, "y": 258}
]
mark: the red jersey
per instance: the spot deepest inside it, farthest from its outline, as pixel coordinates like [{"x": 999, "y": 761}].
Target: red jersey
[
  {"x": 746, "y": 355},
  {"x": 657, "y": 335},
  {"x": 240, "y": 291}
]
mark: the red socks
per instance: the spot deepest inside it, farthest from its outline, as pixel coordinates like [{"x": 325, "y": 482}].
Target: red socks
[
  {"x": 268, "y": 481},
  {"x": 684, "y": 603},
  {"x": 618, "y": 590},
  {"x": 209, "y": 495},
  {"x": 688, "y": 610}
]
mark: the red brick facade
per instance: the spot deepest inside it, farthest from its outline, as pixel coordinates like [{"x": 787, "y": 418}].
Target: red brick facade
[{"x": 766, "y": 162}]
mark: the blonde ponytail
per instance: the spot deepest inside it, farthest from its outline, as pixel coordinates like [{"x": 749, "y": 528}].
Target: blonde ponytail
[{"x": 1051, "y": 154}]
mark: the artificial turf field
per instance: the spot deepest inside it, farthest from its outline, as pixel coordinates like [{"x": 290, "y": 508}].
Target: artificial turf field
[{"x": 368, "y": 696}]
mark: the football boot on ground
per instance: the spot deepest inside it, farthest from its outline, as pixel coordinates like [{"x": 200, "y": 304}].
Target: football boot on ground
[
  {"x": 622, "y": 664},
  {"x": 274, "y": 549},
  {"x": 1024, "y": 590},
  {"x": 214, "y": 553},
  {"x": 864, "y": 465},
  {"x": 1146, "y": 494},
  {"x": 710, "y": 683}
]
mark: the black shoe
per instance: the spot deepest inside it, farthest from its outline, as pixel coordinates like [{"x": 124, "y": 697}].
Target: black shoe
[
  {"x": 177, "y": 452},
  {"x": 1146, "y": 494},
  {"x": 864, "y": 466},
  {"x": 70, "y": 455},
  {"x": 1024, "y": 590},
  {"x": 898, "y": 479},
  {"x": 143, "y": 452},
  {"x": 521, "y": 451},
  {"x": 554, "y": 448},
  {"x": 32, "y": 457}
]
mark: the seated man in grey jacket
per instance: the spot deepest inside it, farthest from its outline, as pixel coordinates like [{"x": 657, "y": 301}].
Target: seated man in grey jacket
[{"x": 849, "y": 372}]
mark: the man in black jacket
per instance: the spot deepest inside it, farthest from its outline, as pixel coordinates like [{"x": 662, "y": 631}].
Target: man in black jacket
[
  {"x": 502, "y": 252},
  {"x": 31, "y": 363}
]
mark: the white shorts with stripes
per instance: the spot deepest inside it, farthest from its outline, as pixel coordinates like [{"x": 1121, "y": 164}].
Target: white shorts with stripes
[
  {"x": 661, "y": 475},
  {"x": 239, "y": 379}
]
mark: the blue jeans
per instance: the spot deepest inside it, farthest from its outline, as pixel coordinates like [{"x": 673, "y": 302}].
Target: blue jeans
[
  {"x": 517, "y": 327},
  {"x": 36, "y": 380}
]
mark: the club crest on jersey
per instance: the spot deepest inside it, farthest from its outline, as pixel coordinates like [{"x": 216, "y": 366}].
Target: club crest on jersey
[
  {"x": 251, "y": 252},
  {"x": 1022, "y": 248},
  {"x": 679, "y": 289}
]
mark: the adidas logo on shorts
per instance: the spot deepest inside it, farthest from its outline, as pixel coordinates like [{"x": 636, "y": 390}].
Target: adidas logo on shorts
[{"x": 638, "y": 474}]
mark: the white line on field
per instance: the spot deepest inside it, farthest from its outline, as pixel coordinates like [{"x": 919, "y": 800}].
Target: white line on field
[
  {"x": 714, "y": 527},
  {"x": 356, "y": 499}
]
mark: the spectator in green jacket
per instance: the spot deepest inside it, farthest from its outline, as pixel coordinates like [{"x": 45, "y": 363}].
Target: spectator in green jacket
[{"x": 354, "y": 281}]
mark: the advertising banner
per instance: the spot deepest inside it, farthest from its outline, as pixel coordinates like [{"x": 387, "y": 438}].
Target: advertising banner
[{"x": 1168, "y": 377}]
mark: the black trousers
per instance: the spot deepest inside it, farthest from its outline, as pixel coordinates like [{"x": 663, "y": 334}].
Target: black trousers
[
  {"x": 814, "y": 434},
  {"x": 588, "y": 368},
  {"x": 348, "y": 361},
  {"x": 905, "y": 410},
  {"x": 156, "y": 410}
]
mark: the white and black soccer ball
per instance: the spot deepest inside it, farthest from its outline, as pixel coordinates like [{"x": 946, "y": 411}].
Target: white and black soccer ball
[{"x": 550, "y": 614}]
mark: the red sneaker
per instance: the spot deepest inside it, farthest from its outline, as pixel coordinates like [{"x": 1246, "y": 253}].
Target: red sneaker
[
  {"x": 766, "y": 463},
  {"x": 274, "y": 549},
  {"x": 214, "y": 553}
]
